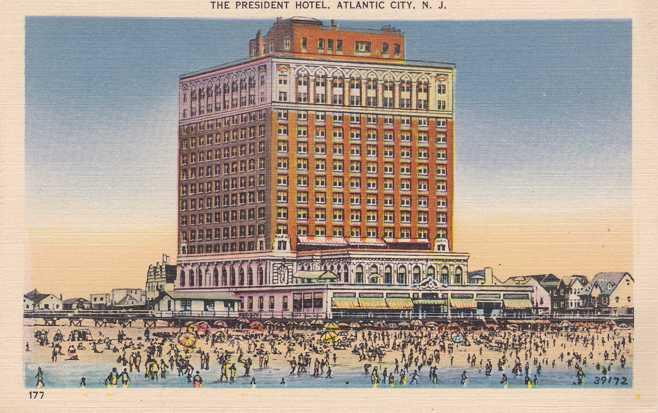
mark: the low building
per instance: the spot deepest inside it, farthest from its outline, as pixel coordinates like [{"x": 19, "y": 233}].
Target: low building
[
  {"x": 610, "y": 293},
  {"x": 100, "y": 301},
  {"x": 541, "y": 298},
  {"x": 160, "y": 276},
  {"x": 34, "y": 300},
  {"x": 77, "y": 303},
  {"x": 128, "y": 298},
  {"x": 210, "y": 302},
  {"x": 575, "y": 285}
]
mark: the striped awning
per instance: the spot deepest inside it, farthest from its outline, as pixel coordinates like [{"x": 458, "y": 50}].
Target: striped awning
[
  {"x": 463, "y": 303},
  {"x": 399, "y": 303},
  {"x": 431, "y": 301},
  {"x": 517, "y": 304},
  {"x": 345, "y": 303},
  {"x": 372, "y": 303}
]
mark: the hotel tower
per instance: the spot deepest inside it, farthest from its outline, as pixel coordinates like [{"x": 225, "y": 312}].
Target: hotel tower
[{"x": 316, "y": 175}]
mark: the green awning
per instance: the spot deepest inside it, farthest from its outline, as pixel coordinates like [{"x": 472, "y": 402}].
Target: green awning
[
  {"x": 372, "y": 303},
  {"x": 431, "y": 301},
  {"x": 344, "y": 303},
  {"x": 463, "y": 303},
  {"x": 399, "y": 303},
  {"x": 517, "y": 304}
]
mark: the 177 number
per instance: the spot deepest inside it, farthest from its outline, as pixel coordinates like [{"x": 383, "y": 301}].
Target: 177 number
[{"x": 36, "y": 395}]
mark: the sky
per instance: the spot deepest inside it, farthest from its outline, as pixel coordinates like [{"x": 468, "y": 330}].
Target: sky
[{"x": 543, "y": 141}]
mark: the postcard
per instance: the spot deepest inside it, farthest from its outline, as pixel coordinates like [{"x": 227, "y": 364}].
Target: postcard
[{"x": 370, "y": 205}]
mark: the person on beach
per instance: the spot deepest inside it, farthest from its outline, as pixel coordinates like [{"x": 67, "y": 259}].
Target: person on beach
[
  {"x": 40, "y": 383},
  {"x": 113, "y": 378},
  {"x": 125, "y": 378},
  {"x": 197, "y": 381}
]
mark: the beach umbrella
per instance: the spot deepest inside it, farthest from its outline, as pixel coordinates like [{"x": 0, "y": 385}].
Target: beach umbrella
[
  {"x": 316, "y": 323},
  {"x": 329, "y": 337},
  {"x": 269, "y": 322},
  {"x": 202, "y": 328},
  {"x": 219, "y": 324},
  {"x": 331, "y": 326},
  {"x": 192, "y": 328},
  {"x": 354, "y": 324},
  {"x": 344, "y": 325},
  {"x": 243, "y": 320},
  {"x": 392, "y": 324},
  {"x": 256, "y": 325},
  {"x": 187, "y": 340},
  {"x": 431, "y": 324},
  {"x": 305, "y": 324},
  {"x": 416, "y": 323},
  {"x": 403, "y": 324}
]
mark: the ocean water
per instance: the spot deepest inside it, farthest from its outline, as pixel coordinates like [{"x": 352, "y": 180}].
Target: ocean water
[{"x": 67, "y": 374}]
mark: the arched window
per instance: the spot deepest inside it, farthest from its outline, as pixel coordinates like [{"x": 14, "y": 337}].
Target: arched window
[
  {"x": 445, "y": 279},
  {"x": 458, "y": 275},
  {"x": 359, "y": 274},
  {"x": 402, "y": 275},
  {"x": 199, "y": 277},
  {"x": 191, "y": 278},
  {"x": 215, "y": 277},
  {"x": 182, "y": 278},
  {"x": 224, "y": 277},
  {"x": 416, "y": 274},
  {"x": 430, "y": 271},
  {"x": 388, "y": 275},
  {"x": 373, "y": 276},
  {"x": 261, "y": 280},
  {"x": 346, "y": 273},
  {"x": 241, "y": 276},
  {"x": 232, "y": 276},
  {"x": 355, "y": 91},
  {"x": 250, "y": 276}
]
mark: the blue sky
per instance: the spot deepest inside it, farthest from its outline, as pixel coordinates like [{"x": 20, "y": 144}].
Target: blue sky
[{"x": 543, "y": 114}]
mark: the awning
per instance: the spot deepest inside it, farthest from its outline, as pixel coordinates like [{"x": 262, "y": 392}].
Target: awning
[
  {"x": 315, "y": 275},
  {"x": 345, "y": 303},
  {"x": 372, "y": 303},
  {"x": 366, "y": 242},
  {"x": 399, "y": 303},
  {"x": 517, "y": 304},
  {"x": 321, "y": 240},
  {"x": 431, "y": 301},
  {"x": 463, "y": 303}
]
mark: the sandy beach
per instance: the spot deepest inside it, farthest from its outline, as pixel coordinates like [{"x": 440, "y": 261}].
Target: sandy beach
[{"x": 526, "y": 353}]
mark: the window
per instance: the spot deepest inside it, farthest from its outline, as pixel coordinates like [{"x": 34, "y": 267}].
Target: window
[
  {"x": 362, "y": 47},
  {"x": 304, "y": 44}
]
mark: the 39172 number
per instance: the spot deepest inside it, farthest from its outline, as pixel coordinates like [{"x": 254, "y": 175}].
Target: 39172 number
[{"x": 614, "y": 381}]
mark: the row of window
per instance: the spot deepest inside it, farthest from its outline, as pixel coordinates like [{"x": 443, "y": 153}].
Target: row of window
[
  {"x": 362, "y": 92},
  {"x": 339, "y": 118},
  {"x": 225, "y": 217},
  {"x": 235, "y": 93},
  {"x": 226, "y": 201},
  {"x": 355, "y": 183},
  {"x": 241, "y": 246},
  {"x": 224, "y": 122},
  {"x": 229, "y": 136},
  {"x": 355, "y": 200},
  {"x": 371, "y": 151},
  {"x": 421, "y": 232}
]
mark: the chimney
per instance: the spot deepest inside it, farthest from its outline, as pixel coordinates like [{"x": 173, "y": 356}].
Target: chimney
[{"x": 488, "y": 276}]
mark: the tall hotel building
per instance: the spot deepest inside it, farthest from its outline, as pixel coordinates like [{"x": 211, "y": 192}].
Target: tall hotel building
[{"x": 317, "y": 175}]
